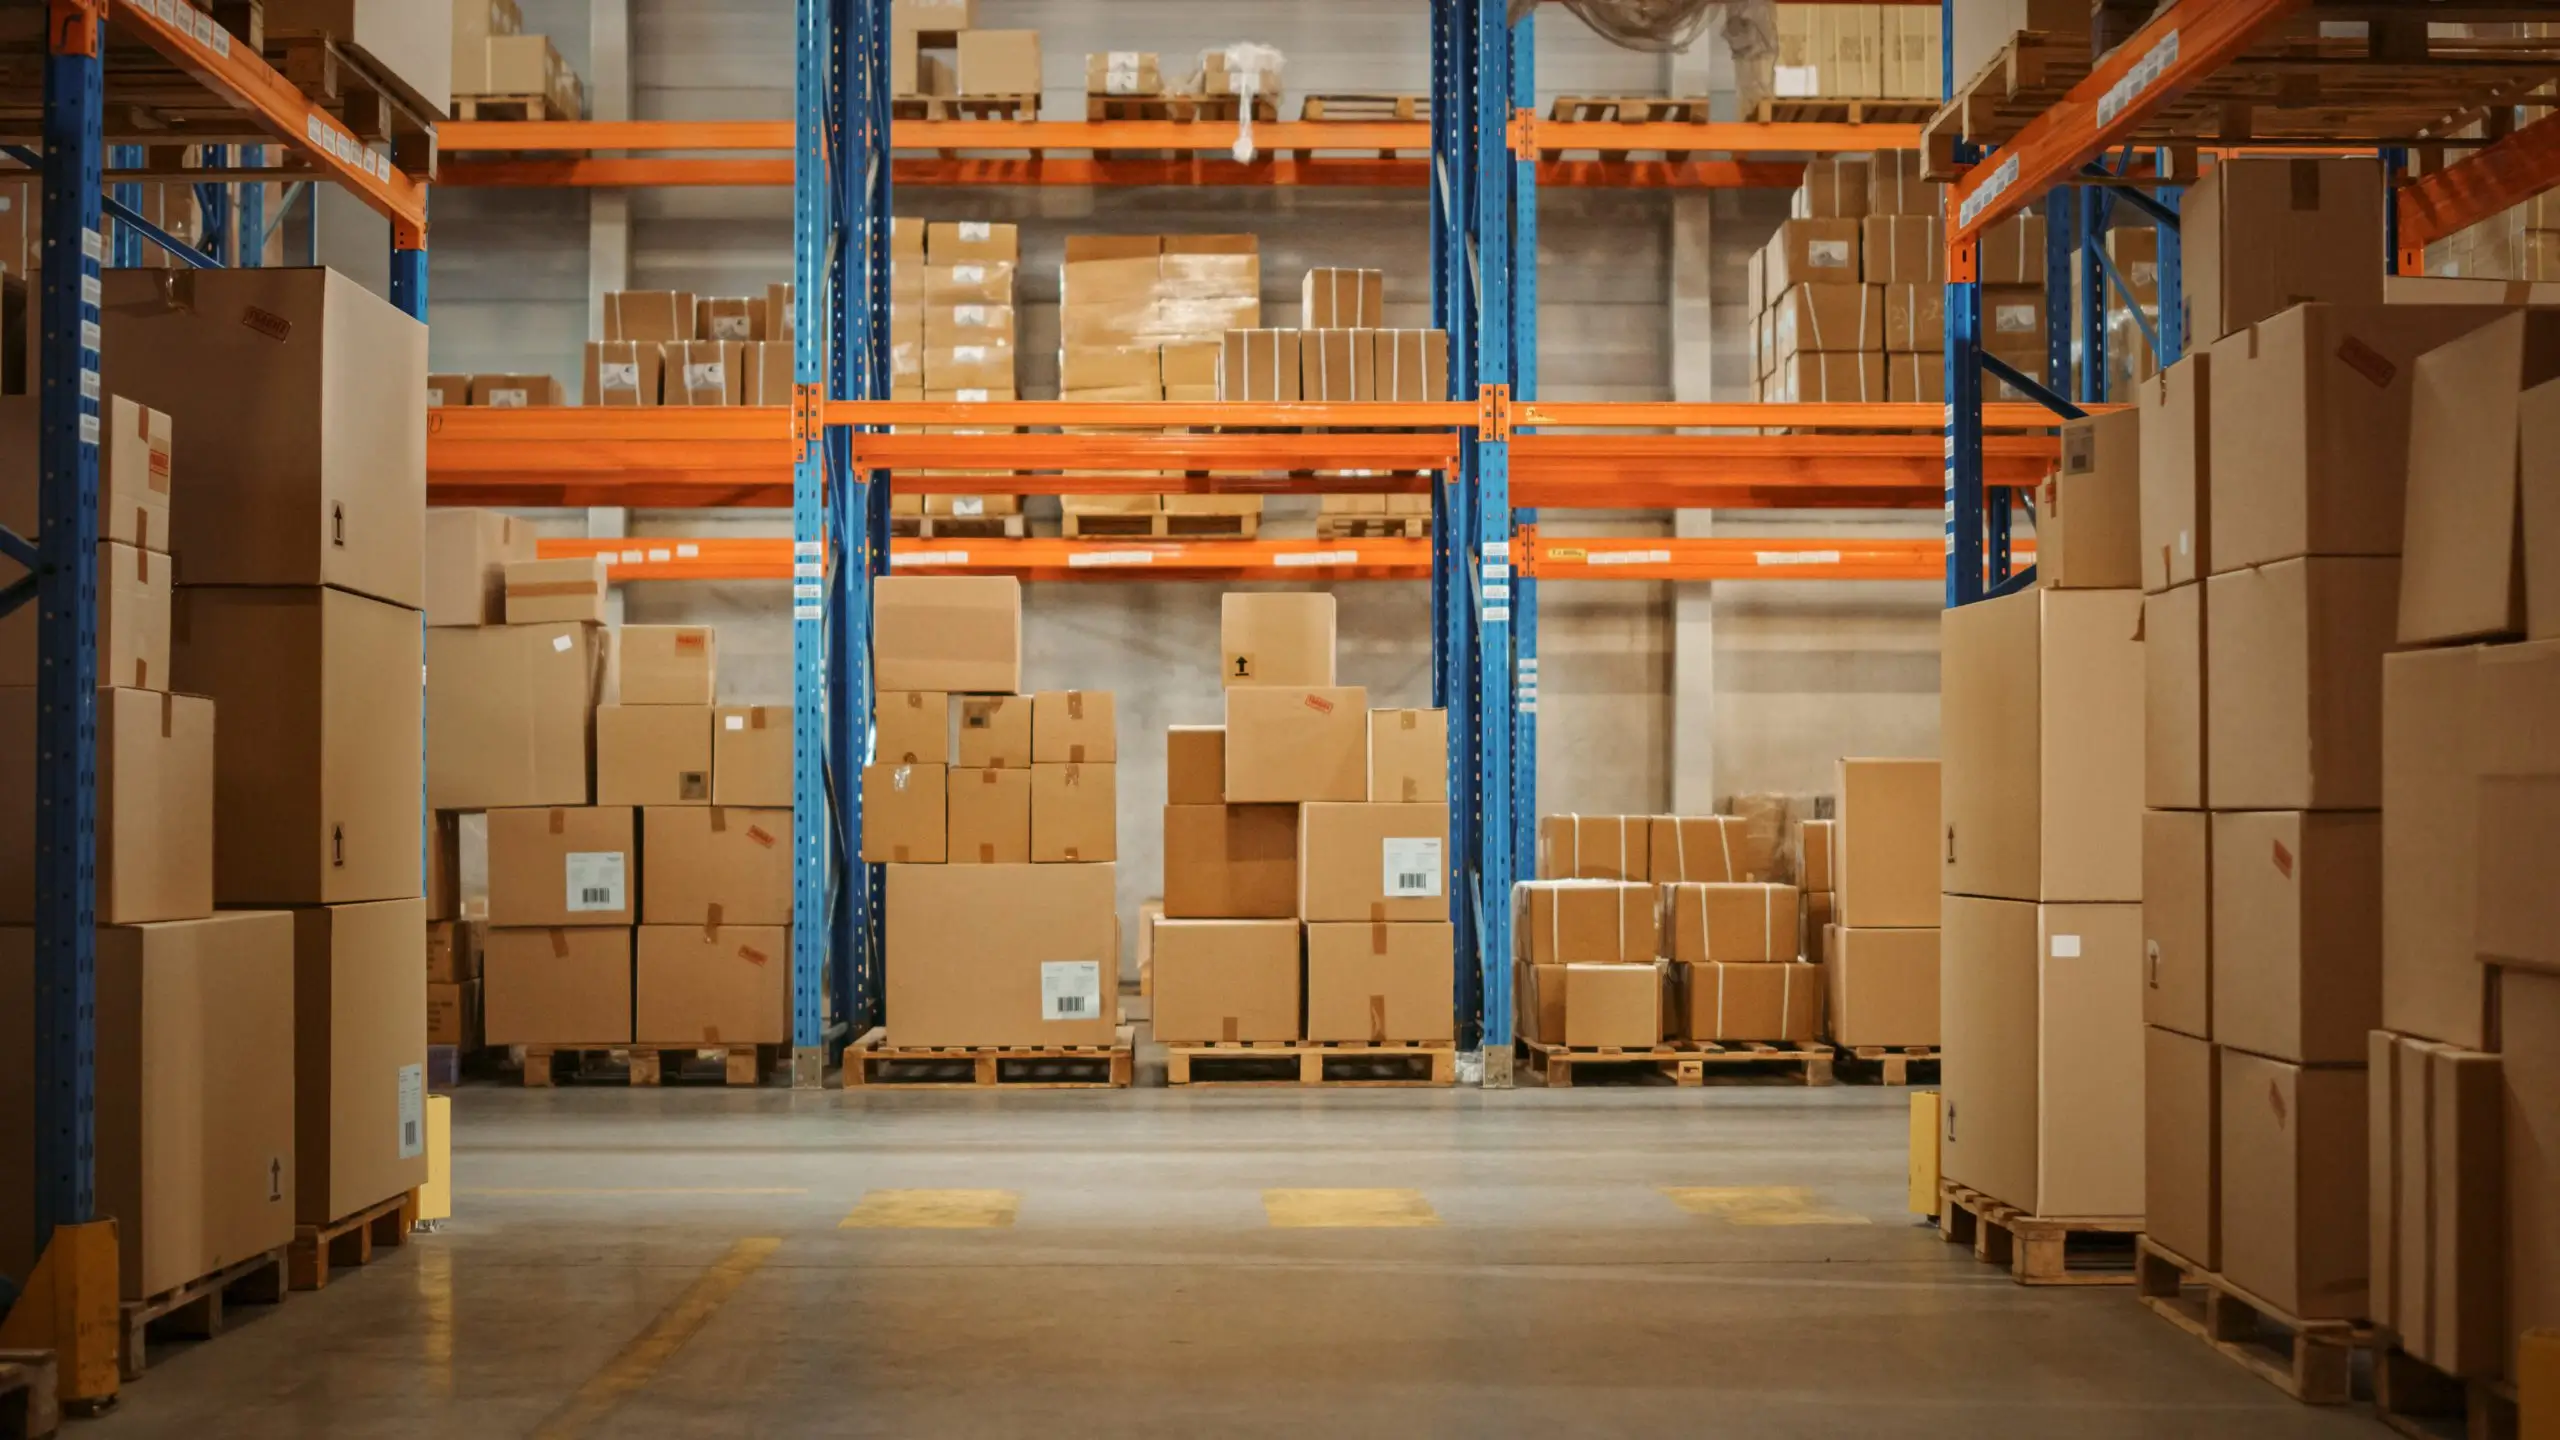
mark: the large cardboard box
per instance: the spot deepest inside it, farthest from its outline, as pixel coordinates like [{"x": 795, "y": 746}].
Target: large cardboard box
[
  {"x": 1740, "y": 923},
  {"x": 360, "y": 1056},
  {"x": 1751, "y": 1002},
  {"x": 1539, "y": 1002},
  {"x": 558, "y": 986},
  {"x": 2439, "y": 1257},
  {"x": 2182, "y": 1154},
  {"x": 194, "y": 1104},
  {"x": 2433, "y": 984},
  {"x": 2387, "y": 1229},
  {"x": 1585, "y": 922},
  {"x": 511, "y": 714},
  {"x": 454, "y": 950},
  {"x": 1075, "y": 813},
  {"x": 1885, "y": 849},
  {"x": 2263, "y": 235},
  {"x": 154, "y": 807},
  {"x": 1371, "y": 862},
  {"x": 653, "y": 755},
  {"x": 1230, "y": 862},
  {"x": 563, "y": 866},
  {"x": 132, "y": 625},
  {"x": 1882, "y": 986},
  {"x": 1195, "y": 764},
  {"x": 989, "y": 813},
  {"x": 1074, "y": 727},
  {"x": 2539, "y": 484},
  {"x": 1296, "y": 744},
  {"x": 2463, "y": 570},
  {"x": 1595, "y": 847},
  {"x": 1829, "y": 318},
  {"x": 2089, "y": 528},
  {"x": 904, "y": 819},
  {"x": 1409, "y": 756},
  {"x": 712, "y": 985},
  {"x": 2175, "y": 761},
  {"x": 2177, "y": 921},
  {"x": 752, "y": 756},
  {"x": 2529, "y": 1020},
  {"x": 2293, "y": 683},
  {"x": 2177, "y": 470},
  {"x": 667, "y": 664},
  {"x": 1812, "y": 854},
  {"x": 625, "y": 373},
  {"x": 1225, "y": 981},
  {"x": 2297, "y": 931},
  {"x": 468, "y": 552},
  {"x": 956, "y": 633},
  {"x": 303, "y": 397},
  {"x": 317, "y": 773},
  {"x": 1701, "y": 849},
  {"x": 1389, "y": 983},
  {"x": 999, "y": 62},
  {"x": 912, "y": 727},
  {"x": 2294, "y": 1184},
  {"x": 541, "y": 592},
  {"x": 453, "y": 1014},
  {"x": 1002, "y": 955},
  {"x": 1335, "y": 299},
  {"x": 1614, "y": 1005},
  {"x": 2042, "y": 725},
  {"x": 1276, "y": 639},
  {"x": 712, "y": 865},
  {"x": 133, "y": 471}
]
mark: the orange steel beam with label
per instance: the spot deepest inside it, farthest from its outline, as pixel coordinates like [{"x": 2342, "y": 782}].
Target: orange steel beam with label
[
  {"x": 2489, "y": 181},
  {"x": 1755, "y": 415},
  {"x": 1325, "y": 171}
]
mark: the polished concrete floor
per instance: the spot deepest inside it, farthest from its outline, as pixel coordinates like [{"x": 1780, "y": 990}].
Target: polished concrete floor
[{"x": 1594, "y": 1262}]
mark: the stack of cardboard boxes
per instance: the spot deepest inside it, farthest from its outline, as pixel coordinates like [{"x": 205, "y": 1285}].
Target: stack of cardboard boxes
[
  {"x": 1141, "y": 318},
  {"x": 493, "y": 59},
  {"x": 1880, "y": 953},
  {"x": 952, "y": 334},
  {"x": 1341, "y": 352},
  {"x": 1853, "y": 52},
  {"x": 937, "y": 50},
  {"x": 671, "y": 347},
  {"x": 1306, "y": 852}
]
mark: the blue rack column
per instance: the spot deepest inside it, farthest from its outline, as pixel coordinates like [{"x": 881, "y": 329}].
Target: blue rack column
[
  {"x": 813, "y": 232},
  {"x": 1491, "y": 556},
  {"x": 1454, "y": 177},
  {"x": 1964, "y": 492},
  {"x": 1524, "y": 387}
]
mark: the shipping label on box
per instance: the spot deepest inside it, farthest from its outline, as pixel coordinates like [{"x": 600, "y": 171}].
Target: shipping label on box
[
  {"x": 562, "y": 866},
  {"x": 1372, "y": 862},
  {"x": 1002, "y": 955}
]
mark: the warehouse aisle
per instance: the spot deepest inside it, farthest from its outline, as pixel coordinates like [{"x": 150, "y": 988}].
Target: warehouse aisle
[{"x": 1593, "y": 1262}]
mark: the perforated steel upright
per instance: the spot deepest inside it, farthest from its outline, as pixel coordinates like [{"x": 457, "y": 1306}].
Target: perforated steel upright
[{"x": 815, "y": 322}]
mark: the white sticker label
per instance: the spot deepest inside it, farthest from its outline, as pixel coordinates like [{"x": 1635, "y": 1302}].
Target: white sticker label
[
  {"x": 968, "y": 507},
  {"x": 977, "y": 232},
  {"x": 1070, "y": 989},
  {"x": 2013, "y": 319},
  {"x": 510, "y": 399},
  {"x": 733, "y": 722},
  {"x": 714, "y": 376},
  {"x": 560, "y": 643},
  {"x": 968, "y": 354},
  {"x": 968, "y": 274},
  {"x": 688, "y": 551},
  {"x": 2066, "y": 947},
  {"x": 969, "y": 315},
  {"x": 596, "y": 881},
  {"x": 1827, "y": 254},
  {"x": 618, "y": 377},
  {"x": 970, "y": 397},
  {"x": 732, "y": 327},
  {"x": 1412, "y": 867},
  {"x": 1289, "y": 558},
  {"x": 413, "y": 1111}
]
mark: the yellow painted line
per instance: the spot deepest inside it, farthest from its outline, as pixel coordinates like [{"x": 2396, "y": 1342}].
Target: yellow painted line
[
  {"x": 1762, "y": 1205},
  {"x": 934, "y": 1210},
  {"x": 1348, "y": 1209},
  {"x": 648, "y": 1352},
  {"x": 667, "y": 1190}
]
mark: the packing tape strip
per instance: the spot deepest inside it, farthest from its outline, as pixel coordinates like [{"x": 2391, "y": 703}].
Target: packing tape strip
[
  {"x": 559, "y": 944},
  {"x": 1378, "y": 1018},
  {"x": 559, "y": 822},
  {"x": 711, "y": 921},
  {"x": 548, "y": 589},
  {"x": 719, "y": 818},
  {"x": 1227, "y": 1028}
]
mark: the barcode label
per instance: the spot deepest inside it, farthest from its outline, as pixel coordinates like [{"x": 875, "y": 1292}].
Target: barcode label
[
  {"x": 413, "y": 1111},
  {"x": 1070, "y": 989},
  {"x": 1412, "y": 867},
  {"x": 596, "y": 881}
]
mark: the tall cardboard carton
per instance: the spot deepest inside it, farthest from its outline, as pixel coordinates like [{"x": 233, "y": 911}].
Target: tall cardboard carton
[
  {"x": 2463, "y": 573},
  {"x": 2294, "y": 1184},
  {"x": 2433, "y": 984},
  {"x": 2182, "y": 1154},
  {"x": 714, "y": 985},
  {"x": 2293, "y": 687},
  {"x": 2529, "y": 1019},
  {"x": 1002, "y": 955},
  {"x": 2177, "y": 921},
  {"x": 712, "y": 865},
  {"x": 360, "y": 1056},
  {"x": 511, "y": 714},
  {"x": 2089, "y": 528},
  {"x": 2297, "y": 901},
  {"x": 154, "y": 807},
  {"x": 2177, "y": 470},
  {"x": 1389, "y": 983},
  {"x": 1885, "y": 845},
  {"x": 1226, "y": 981},
  {"x": 2264, "y": 235},
  {"x": 2175, "y": 763},
  {"x": 558, "y": 986}
]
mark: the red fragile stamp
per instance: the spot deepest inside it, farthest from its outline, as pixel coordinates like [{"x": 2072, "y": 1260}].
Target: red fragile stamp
[
  {"x": 1319, "y": 704},
  {"x": 752, "y": 955},
  {"x": 760, "y": 835}
]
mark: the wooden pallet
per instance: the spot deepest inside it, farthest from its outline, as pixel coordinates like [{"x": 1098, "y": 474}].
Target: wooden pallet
[
  {"x": 956, "y": 527},
  {"x": 643, "y": 1065},
  {"x": 1629, "y": 110},
  {"x": 965, "y": 107},
  {"x": 1338, "y": 1065},
  {"x": 1685, "y": 1064},
  {"x": 506, "y": 107},
  {"x": 1106, "y": 525},
  {"x": 2416, "y": 1399},
  {"x": 1373, "y": 527},
  {"x": 1847, "y": 110},
  {"x": 349, "y": 1242},
  {"x": 1180, "y": 109},
  {"x": 1885, "y": 1065},
  {"x": 2038, "y": 1249},
  {"x": 1363, "y": 107},
  {"x": 30, "y": 1395},
  {"x": 2314, "y": 1361},
  {"x": 194, "y": 1311},
  {"x": 873, "y": 1062}
]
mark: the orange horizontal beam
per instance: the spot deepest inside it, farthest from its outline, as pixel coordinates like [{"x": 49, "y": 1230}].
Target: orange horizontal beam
[
  {"x": 1353, "y": 415},
  {"x": 1676, "y": 415},
  {"x": 2489, "y": 181},
  {"x": 1284, "y": 451},
  {"x": 1754, "y": 471},
  {"x": 473, "y": 136},
  {"x": 1739, "y": 558}
]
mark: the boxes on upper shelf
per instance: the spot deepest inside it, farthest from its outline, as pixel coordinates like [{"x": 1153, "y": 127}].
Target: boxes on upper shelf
[
  {"x": 2263, "y": 235},
  {"x": 626, "y": 373},
  {"x": 1123, "y": 72},
  {"x": 1334, "y": 299}
]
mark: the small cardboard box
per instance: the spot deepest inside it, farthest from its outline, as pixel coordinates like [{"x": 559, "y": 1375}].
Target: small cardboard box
[
  {"x": 956, "y": 633},
  {"x": 2264, "y": 235},
  {"x": 1698, "y": 848},
  {"x": 1123, "y": 72},
  {"x": 1539, "y": 1007},
  {"x": 2295, "y": 1184},
  {"x": 514, "y": 392},
  {"x": 1002, "y": 955},
  {"x": 2177, "y": 921},
  {"x": 2297, "y": 933},
  {"x": 563, "y": 866},
  {"x": 711, "y": 865},
  {"x": 1337, "y": 365},
  {"x": 912, "y": 727},
  {"x": 1373, "y": 862},
  {"x": 955, "y": 242},
  {"x": 558, "y": 986},
  {"x": 712, "y": 985},
  {"x": 1834, "y": 188},
  {"x": 1813, "y": 857},
  {"x": 1732, "y": 923},
  {"x": 360, "y": 1056},
  {"x": 1595, "y": 847},
  {"x": 2089, "y": 528},
  {"x": 133, "y": 476},
  {"x": 628, "y": 374},
  {"x": 1409, "y": 756},
  {"x": 653, "y": 755},
  {"x": 1297, "y": 744},
  {"x": 649, "y": 316},
  {"x": 2293, "y": 683},
  {"x": 1829, "y": 319},
  {"x": 511, "y": 714},
  {"x": 1881, "y": 986},
  {"x": 453, "y": 950},
  {"x": 541, "y": 592},
  {"x": 1818, "y": 251},
  {"x": 903, "y": 816},
  {"x": 1885, "y": 849},
  {"x": 1230, "y": 862},
  {"x": 1195, "y": 765},
  {"x": 668, "y": 664},
  {"x": 2182, "y": 1154},
  {"x": 453, "y": 1014},
  {"x": 1413, "y": 366},
  {"x": 2173, "y": 698},
  {"x": 1074, "y": 727},
  {"x": 995, "y": 732},
  {"x": 1751, "y": 1002},
  {"x": 154, "y": 803},
  {"x": 1585, "y": 922},
  {"x": 1613, "y": 1005},
  {"x": 752, "y": 760},
  {"x": 990, "y": 816},
  {"x": 1260, "y": 366},
  {"x": 1388, "y": 983},
  {"x": 1276, "y": 639},
  {"x": 1225, "y": 981},
  {"x": 1075, "y": 812},
  {"x": 1915, "y": 324},
  {"x": 468, "y": 552},
  {"x": 2433, "y": 983},
  {"x": 703, "y": 372}
]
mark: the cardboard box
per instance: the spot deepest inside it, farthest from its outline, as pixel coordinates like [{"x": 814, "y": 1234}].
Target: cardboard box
[
  {"x": 1816, "y": 914},
  {"x": 558, "y": 986},
  {"x": 1387, "y": 983},
  {"x": 2517, "y": 912},
  {"x": 1817, "y": 251},
  {"x": 1585, "y": 922},
  {"x": 1376, "y": 863},
  {"x": 2432, "y": 982},
  {"x": 563, "y": 866},
  {"x": 360, "y": 1056},
  {"x": 1123, "y": 72},
  {"x": 1230, "y": 861},
  {"x": 1195, "y": 764},
  {"x": 1831, "y": 318},
  {"x": 712, "y": 865},
  {"x": 1812, "y": 856},
  {"x": 1074, "y": 727},
  {"x": 667, "y": 664},
  {"x": 626, "y": 373},
  {"x": 2297, "y": 930},
  {"x": 1915, "y": 322},
  {"x": 305, "y": 679},
  {"x": 1751, "y": 1002},
  {"x": 995, "y": 732},
  {"x": 903, "y": 814},
  {"x": 454, "y": 951},
  {"x": 648, "y": 316},
  {"x": 912, "y": 727},
  {"x": 2042, "y": 716},
  {"x": 752, "y": 759},
  {"x": 1595, "y": 847},
  {"x": 1074, "y": 813},
  {"x": 726, "y": 317},
  {"x": 712, "y": 985},
  {"x": 453, "y": 1015},
  {"x": 514, "y": 392},
  {"x": 1337, "y": 365},
  {"x": 956, "y": 633},
  {"x": 1881, "y": 986},
  {"x": 908, "y": 17},
  {"x": 2529, "y": 1019},
  {"x": 2464, "y": 1156},
  {"x": 2089, "y": 528},
  {"x": 990, "y": 816},
  {"x": 522, "y": 65},
  {"x": 2464, "y": 570},
  {"x": 2182, "y": 1154},
  {"x": 2044, "y": 1053},
  {"x": 1296, "y": 743},
  {"x": 154, "y": 806},
  {"x": 1703, "y": 849},
  {"x": 132, "y": 625},
  {"x": 1276, "y": 639},
  {"x": 999, "y": 62},
  {"x": 2293, "y": 683},
  {"x": 1835, "y": 378},
  {"x": 1732, "y": 923},
  {"x": 1885, "y": 846},
  {"x": 2175, "y": 762},
  {"x": 133, "y": 475},
  {"x": 1413, "y": 365},
  {"x": 653, "y": 755},
  {"x": 1901, "y": 249},
  {"x": 1539, "y": 1008},
  {"x": 468, "y": 552},
  {"x": 1409, "y": 756},
  {"x": 771, "y": 372},
  {"x": 702, "y": 372},
  {"x": 2264, "y": 235},
  {"x": 1225, "y": 981},
  {"x": 1002, "y": 955},
  {"x": 2177, "y": 921},
  {"x": 1894, "y": 186},
  {"x": 1263, "y": 366},
  {"x": 1333, "y": 299},
  {"x": 194, "y": 1110},
  {"x": 545, "y": 592},
  {"x": 2294, "y": 1184},
  {"x": 511, "y": 714},
  {"x": 303, "y": 398},
  {"x": 1613, "y": 1005},
  {"x": 2310, "y": 428}
]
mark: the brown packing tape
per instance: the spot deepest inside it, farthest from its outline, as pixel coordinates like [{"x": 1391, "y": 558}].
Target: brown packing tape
[
  {"x": 1378, "y": 914},
  {"x": 1411, "y": 719},
  {"x": 1075, "y": 704},
  {"x": 1075, "y": 777},
  {"x": 559, "y": 822},
  {"x": 1377, "y": 937},
  {"x": 711, "y": 921},
  {"x": 1412, "y": 790},
  {"x": 989, "y": 776},
  {"x": 142, "y": 675},
  {"x": 754, "y": 956},
  {"x": 543, "y": 590},
  {"x": 1075, "y": 754},
  {"x": 168, "y": 714},
  {"x": 755, "y": 718},
  {"x": 987, "y": 854},
  {"x": 1377, "y": 1017},
  {"x": 559, "y": 944},
  {"x": 719, "y": 820},
  {"x": 1227, "y": 1028},
  {"x": 142, "y": 520},
  {"x": 898, "y": 853},
  {"x": 1075, "y": 853},
  {"x": 710, "y": 1034}
]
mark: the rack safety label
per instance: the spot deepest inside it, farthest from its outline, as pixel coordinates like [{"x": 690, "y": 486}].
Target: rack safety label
[
  {"x": 89, "y": 431},
  {"x": 92, "y": 294},
  {"x": 903, "y": 559},
  {"x": 1497, "y": 550},
  {"x": 93, "y": 246},
  {"x": 1497, "y": 615},
  {"x": 1497, "y": 570},
  {"x": 687, "y": 550},
  {"x": 1796, "y": 557},
  {"x": 1630, "y": 557},
  {"x": 808, "y": 612},
  {"x": 1497, "y": 592},
  {"x": 1103, "y": 558},
  {"x": 806, "y": 571},
  {"x": 1295, "y": 559},
  {"x": 2004, "y": 175},
  {"x": 2146, "y": 72},
  {"x": 89, "y": 386},
  {"x": 808, "y": 547},
  {"x": 661, "y": 557},
  {"x": 634, "y": 557},
  {"x": 808, "y": 592}
]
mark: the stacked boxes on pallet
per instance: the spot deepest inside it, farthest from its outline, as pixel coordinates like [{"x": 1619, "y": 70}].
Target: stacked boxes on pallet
[
  {"x": 672, "y": 347},
  {"x": 1344, "y": 353},
  {"x": 493, "y": 59},
  {"x": 1141, "y": 317},
  {"x": 1880, "y": 951},
  {"x": 952, "y": 334},
  {"x": 937, "y": 50},
  {"x": 1855, "y": 52}
]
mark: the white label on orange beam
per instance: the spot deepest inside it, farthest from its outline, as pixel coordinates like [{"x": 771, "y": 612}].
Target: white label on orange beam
[
  {"x": 2146, "y": 72},
  {"x": 661, "y": 557},
  {"x": 2002, "y": 177},
  {"x": 1796, "y": 557},
  {"x": 634, "y": 557},
  {"x": 1101, "y": 558},
  {"x": 687, "y": 551},
  {"x": 1630, "y": 557},
  {"x": 1315, "y": 558},
  {"x": 928, "y": 558}
]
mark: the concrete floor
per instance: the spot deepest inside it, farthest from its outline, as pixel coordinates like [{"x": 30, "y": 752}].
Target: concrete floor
[{"x": 679, "y": 1263}]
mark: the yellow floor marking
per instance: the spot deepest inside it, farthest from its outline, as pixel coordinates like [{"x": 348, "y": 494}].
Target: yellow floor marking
[
  {"x": 667, "y": 1190},
  {"x": 652, "y": 1348},
  {"x": 1769, "y": 1205},
  {"x": 1347, "y": 1209},
  {"x": 934, "y": 1210}
]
